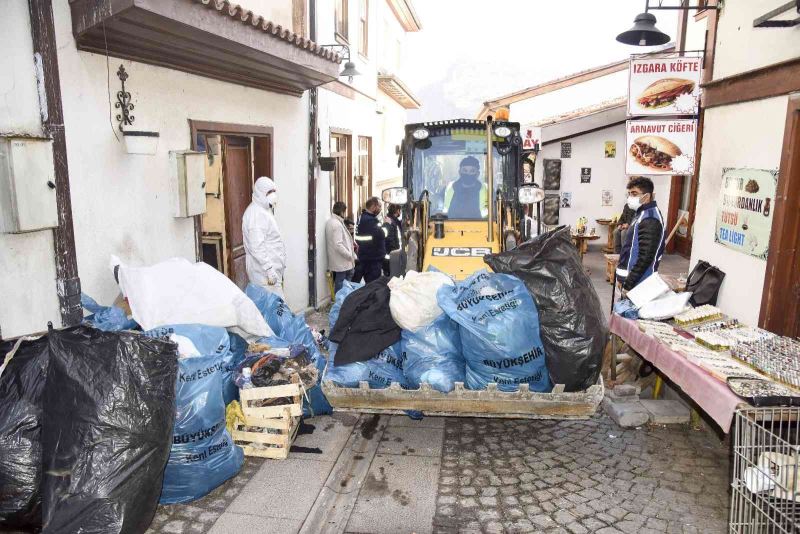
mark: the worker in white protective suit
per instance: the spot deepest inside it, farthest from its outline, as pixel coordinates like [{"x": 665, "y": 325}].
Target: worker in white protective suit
[{"x": 266, "y": 254}]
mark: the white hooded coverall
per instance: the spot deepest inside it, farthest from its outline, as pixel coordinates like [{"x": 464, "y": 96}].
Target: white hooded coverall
[{"x": 263, "y": 245}]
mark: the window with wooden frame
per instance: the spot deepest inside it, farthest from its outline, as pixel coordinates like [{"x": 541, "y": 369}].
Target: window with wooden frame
[
  {"x": 363, "y": 28},
  {"x": 365, "y": 165},
  {"x": 341, "y": 13}
]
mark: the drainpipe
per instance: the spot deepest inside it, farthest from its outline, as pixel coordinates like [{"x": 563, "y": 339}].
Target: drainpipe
[
  {"x": 313, "y": 141},
  {"x": 46, "y": 59}
]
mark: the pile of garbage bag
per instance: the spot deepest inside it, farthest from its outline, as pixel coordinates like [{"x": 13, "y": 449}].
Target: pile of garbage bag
[
  {"x": 59, "y": 393},
  {"x": 572, "y": 324}
]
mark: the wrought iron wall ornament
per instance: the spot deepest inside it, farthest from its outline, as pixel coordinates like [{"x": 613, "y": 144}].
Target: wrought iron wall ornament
[{"x": 124, "y": 101}]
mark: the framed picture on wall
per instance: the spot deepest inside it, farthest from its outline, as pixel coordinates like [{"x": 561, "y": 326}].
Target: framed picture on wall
[
  {"x": 552, "y": 175},
  {"x": 551, "y": 206}
]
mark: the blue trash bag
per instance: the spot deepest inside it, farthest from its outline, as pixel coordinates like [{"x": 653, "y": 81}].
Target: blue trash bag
[
  {"x": 627, "y": 309},
  {"x": 203, "y": 454},
  {"x": 211, "y": 340},
  {"x": 106, "y": 318},
  {"x": 433, "y": 355},
  {"x": 380, "y": 371},
  {"x": 238, "y": 344},
  {"x": 499, "y": 327},
  {"x": 291, "y": 329}
]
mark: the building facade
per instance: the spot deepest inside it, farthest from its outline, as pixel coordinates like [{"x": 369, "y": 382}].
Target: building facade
[{"x": 209, "y": 77}]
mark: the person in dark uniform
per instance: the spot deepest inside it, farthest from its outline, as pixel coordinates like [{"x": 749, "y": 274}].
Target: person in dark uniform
[
  {"x": 371, "y": 240},
  {"x": 394, "y": 237}
]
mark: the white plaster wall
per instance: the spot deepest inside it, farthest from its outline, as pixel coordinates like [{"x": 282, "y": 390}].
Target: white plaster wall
[
  {"x": 763, "y": 121},
  {"x": 696, "y": 33},
  {"x": 121, "y": 202},
  {"x": 27, "y": 264},
  {"x": 277, "y": 11},
  {"x": 740, "y": 47},
  {"x": 607, "y": 173},
  {"x": 358, "y": 117},
  {"x": 571, "y": 98},
  {"x": 390, "y": 131}
]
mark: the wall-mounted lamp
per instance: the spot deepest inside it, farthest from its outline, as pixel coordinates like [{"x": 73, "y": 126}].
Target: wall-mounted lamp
[
  {"x": 136, "y": 141},
  {"x": 644, "y": 31},
  {"x": 349, "y": 67}
]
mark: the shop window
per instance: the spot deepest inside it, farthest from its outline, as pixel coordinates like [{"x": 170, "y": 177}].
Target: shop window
[
  {"x": 363, "y": 179},
  {"x": 363, "y": 30},
  {"x": 341, "y": 13}
]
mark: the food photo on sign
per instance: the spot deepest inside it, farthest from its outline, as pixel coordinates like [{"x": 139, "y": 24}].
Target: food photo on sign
[
  {"x": 661, "y": 147},
  {"x": 664, "y": 86}
]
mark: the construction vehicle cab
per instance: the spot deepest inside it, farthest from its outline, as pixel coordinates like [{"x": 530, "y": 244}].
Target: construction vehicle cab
[{"x": 456, "y": 210}]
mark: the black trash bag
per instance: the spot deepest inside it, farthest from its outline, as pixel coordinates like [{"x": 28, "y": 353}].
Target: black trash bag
[
  {"x": 573, "y": 328},
  {"x": 21, "y": 388},
  {"x": 109, "y": 408}
]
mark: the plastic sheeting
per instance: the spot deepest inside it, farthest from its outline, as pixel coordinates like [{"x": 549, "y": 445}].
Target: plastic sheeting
[
  {"x": 106, "y": 318},
  {"x": 573, "y": 327},
  {"x": 108, "y": 415},
  {"x": 22, "y": 386},
  {"x": 177, "y": 291},
  {"x": 499, "y": 328},
  {"x": 203, "y": 454},
  {"x": 433, "y": 355}
]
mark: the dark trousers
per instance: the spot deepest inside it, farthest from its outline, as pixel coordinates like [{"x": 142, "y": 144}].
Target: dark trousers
[
  {"x": 372, "y": 270},
  {"x": 339, "y": 278}
]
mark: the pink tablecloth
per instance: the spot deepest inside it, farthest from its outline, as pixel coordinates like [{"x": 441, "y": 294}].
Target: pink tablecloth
[{"x": 712, "y": 395}]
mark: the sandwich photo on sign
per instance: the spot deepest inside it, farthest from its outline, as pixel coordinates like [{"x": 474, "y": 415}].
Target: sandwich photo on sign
[
  {"x": 664, "y": 86},
  {"x": 660, "y": 147}
]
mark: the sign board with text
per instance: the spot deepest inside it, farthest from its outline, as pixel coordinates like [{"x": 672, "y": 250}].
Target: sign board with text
[
  {"x": 744, "y": 213},
  {"x": 664, "y": 86},
  {"x": 531, "y": 137},
  {"x": 662, "y": 147}
]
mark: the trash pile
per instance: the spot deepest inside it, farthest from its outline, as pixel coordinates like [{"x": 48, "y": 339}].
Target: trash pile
[
  {"x": 536, "y": 320},
  {"x": 154, "y": 386},
  {"x": 61, "y": 392}
]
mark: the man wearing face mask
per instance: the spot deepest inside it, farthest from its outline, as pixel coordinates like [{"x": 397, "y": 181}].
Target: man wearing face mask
[
  {"x": 466, "y": 197},
  {"x": 645, "y": 239},
  {"x": 265, "y": 253},
  {"x": 371, "y": 240}
]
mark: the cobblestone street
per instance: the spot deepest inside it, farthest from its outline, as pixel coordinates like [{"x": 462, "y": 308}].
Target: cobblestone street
[{"x": 581, "y": 476}]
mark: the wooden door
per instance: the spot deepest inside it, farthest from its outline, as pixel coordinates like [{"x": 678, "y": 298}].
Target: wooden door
[
  {"x": 780, "y": 304},
  {"x": 237, "y": 180},
  {"x": 682, "y": 200},
  {"x": 342, "y": 182}
]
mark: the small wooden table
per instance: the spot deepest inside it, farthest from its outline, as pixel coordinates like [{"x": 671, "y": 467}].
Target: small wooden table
[
  {"x": 582, "y": 242},
  {"x": 609, "y": 248}
]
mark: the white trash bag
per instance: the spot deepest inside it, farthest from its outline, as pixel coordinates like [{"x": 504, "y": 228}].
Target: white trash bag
[
  {"x": 178, "y": 291},
  {"x": 413, "y": 299}
]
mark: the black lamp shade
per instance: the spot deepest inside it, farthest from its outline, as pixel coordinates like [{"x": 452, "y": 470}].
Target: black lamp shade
[
  {"x": 349, "y": 70},
  {"x": 644, "y": 32}
]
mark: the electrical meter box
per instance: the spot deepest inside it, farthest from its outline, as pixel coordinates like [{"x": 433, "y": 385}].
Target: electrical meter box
[
  {"x": 188, "y": 182},
  {"x": 27, "y": 185}
]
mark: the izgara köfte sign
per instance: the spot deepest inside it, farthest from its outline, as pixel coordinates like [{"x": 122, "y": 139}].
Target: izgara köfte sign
[{"x": 664, "y": 86}]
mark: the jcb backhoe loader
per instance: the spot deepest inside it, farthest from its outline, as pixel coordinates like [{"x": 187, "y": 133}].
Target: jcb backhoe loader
[{"x": 456, "y": 213}]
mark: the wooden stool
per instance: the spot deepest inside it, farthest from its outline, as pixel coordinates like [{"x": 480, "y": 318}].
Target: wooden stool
[{"x": 611, "y": 265}]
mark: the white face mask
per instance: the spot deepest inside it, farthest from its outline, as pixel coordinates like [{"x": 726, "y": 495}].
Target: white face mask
[
  {"x": 272, "y": 198},
  {"x": 634, "y": 203}
]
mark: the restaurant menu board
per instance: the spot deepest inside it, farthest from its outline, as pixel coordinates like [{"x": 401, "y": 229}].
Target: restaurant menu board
[
  {"x": 662, "y": 147},
  {"x": 744, "y": 214},
  {"x": 666, "y": 86}
]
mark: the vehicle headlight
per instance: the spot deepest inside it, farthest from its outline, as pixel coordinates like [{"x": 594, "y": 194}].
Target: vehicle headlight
[
  {"x": 420, "y": 134},
  {"x": 502, "y": 131},
  {"x": 530, "y": 194}
]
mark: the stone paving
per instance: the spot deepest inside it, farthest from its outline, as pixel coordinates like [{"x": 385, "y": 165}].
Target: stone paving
[{"x": 579, "y": 477}]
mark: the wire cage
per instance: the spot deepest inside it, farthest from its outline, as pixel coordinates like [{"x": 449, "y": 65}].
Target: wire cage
[{"x": 765, "y": 497}]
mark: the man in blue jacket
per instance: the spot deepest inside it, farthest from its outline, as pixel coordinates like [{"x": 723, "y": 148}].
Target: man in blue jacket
[
  {"x": 645, "y": 241},
  {"x": 371, "y": 239}
]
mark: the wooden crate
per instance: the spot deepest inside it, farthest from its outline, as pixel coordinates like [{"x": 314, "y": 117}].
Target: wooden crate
[{"x": 277, "y": 424}]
